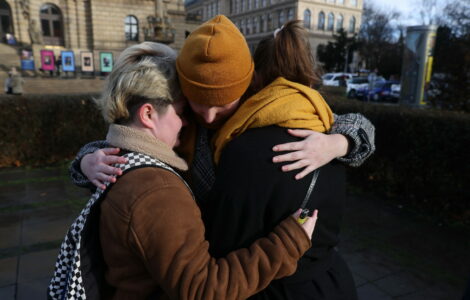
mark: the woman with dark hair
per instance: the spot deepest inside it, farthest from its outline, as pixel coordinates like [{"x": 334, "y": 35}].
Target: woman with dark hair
[{"x": 250, "y": 194}]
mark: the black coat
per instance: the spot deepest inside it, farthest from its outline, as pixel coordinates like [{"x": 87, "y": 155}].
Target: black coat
[{"x": 251, "y": 195}]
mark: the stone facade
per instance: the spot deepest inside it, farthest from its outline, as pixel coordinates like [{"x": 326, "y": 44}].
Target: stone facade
[
  {"x": 95, "y": 25},
  {"x": 257, "y": 18}
]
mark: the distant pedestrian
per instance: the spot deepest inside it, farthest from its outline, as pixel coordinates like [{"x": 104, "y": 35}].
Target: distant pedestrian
[
  {"x": 7, "y": 85},
  {"x": 17, "y": 82},
  {"x": 372, "y": 78},
  {"x": 58, "y": 65}
]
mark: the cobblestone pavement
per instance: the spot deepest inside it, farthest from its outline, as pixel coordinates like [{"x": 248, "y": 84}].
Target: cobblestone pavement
[{"x": 393, "y": 253}]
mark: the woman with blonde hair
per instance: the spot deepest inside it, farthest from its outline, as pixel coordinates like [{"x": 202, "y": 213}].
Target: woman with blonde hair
[{"x": 144, "y": 236}]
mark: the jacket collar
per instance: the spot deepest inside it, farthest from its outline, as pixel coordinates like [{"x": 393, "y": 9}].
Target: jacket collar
[{"x": 136, "y": 140}]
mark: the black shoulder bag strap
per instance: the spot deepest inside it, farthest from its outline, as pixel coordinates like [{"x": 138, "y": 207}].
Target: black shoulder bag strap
[{"x": 310, "y": 189}]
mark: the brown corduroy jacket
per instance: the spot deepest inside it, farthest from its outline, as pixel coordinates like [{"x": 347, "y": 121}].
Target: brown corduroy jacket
[{"x": 153, "y": 243}]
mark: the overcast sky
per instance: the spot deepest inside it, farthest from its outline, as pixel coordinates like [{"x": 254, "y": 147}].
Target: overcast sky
[{"x": 408, "y": 9}]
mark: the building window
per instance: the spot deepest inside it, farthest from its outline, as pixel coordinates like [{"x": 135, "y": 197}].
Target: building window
[
  {"x": 340, "y": 1},
  {"x": 321, "y": 21},
  {"x": 352, "y": 25},
  {"x": 282, "y": 18},
  {"x": 331, "y": 22},
  {"x": 5, "y": 19},
  {"x": 256, "y": 4},
  {"x": 255, "y": 25},
  {"x": 51, "y": 25},
  {"x": 307, "y": 18},
  {"x": 331, "y": 1},
  {"x": 270, "y": 22},
  {"x": 242, "y": 26},
  {"x": 262, "y": 23},
  {"x": 131, "y": 28},
  {"x": 248, "y": 5},
  {"x": 290, "y": 14},
  {"x": 353, "y": 2},
  {"x": 339, "y": 22},
  {"x": 263, "y": 3},
  {"x": 243, "y": 6},
  {"x": 248, "y": 26}
]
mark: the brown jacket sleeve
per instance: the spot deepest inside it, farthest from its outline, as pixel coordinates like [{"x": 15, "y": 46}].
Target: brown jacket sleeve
[{"x": 166, "y": 230}]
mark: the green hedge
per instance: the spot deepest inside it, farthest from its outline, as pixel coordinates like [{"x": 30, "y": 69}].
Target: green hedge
[
  {"x": 39, "y": 130},
  {"x": 421, "y": 157}
]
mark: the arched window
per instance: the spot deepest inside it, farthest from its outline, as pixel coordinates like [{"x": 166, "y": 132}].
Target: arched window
[
  {"x": 321, "y": 21},
  {"x": 331, "y": 22},
  {"x": 290, "y": 14},
  {"x": 131, "y": 28},
  {"x": 51, "y": 24},
  {"x": 262, "y": 23},
  {"x": 339, "y": 22},
  {"x": 6, "y": 25},
  {"x": 270, "y": 22},
  {"x": 352, "y": 24},
  {"x": 307, "y": 18},
  {"x": 282, "y": 18},
  {"x": 255, "y": 25}
]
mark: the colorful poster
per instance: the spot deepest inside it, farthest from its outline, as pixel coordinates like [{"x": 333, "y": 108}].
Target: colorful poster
[
  {"x": 27, "y": 60},
  {"x": 68, "y": 61},
  {"x": 47, "y": 60},
  {"x": 86, "y": 59},
  {"x": 106, "y": 61}
]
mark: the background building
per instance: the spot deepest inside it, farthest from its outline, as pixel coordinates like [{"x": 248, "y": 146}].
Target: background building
[
  {"x": 87, "y": 25},
  {"x": 256, "y": 18}
]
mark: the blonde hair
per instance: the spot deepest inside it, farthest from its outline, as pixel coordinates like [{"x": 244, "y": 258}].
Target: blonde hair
[{"x": 144, "y": 73}]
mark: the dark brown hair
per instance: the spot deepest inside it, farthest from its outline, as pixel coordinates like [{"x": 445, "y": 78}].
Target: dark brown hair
[{"x": 285, "y": 54}]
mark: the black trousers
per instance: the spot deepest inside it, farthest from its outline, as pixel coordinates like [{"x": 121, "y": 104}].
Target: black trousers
[{"x": 333, "y": 283}]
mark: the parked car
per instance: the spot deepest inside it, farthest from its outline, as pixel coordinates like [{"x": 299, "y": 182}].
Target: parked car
[
  {"x": 395, "y": 90},
  {"x": 336, "y": 79},
  {"x": 382, "y": 91},
  {"x": 355, "y": 84}
]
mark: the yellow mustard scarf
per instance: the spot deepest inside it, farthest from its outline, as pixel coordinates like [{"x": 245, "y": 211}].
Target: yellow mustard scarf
[{"x": 283, "y": 103}]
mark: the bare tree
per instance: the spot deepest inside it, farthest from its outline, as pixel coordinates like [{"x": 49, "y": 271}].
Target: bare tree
[
  {"x": 376, "y": 33},
  {"x": 427, "y": 11}
]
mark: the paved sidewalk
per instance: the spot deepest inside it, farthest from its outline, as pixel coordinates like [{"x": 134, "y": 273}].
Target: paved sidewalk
[{"x": 392, "y": 253}]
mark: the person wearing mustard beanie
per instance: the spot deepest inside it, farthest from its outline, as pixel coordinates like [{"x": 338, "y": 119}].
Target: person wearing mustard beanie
[{"x": 215, "y": 66}]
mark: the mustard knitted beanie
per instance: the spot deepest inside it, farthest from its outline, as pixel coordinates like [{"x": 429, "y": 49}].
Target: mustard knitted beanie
[{"x": 215, "y": 66}]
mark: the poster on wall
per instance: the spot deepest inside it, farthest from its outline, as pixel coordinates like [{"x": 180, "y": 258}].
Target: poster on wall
[
  {"x": 68, "y": 61},
  {"x": 86, "y": 59},
  {"x": 27, "y": 60},
  {"x": 47, "y": 60},
  {"x": 106, "y": 61}
]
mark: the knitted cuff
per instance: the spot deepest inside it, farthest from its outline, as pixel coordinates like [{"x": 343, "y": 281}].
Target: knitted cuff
[
  {"x": 78, "y": 178},
  {"x": 360, "y": 132}
]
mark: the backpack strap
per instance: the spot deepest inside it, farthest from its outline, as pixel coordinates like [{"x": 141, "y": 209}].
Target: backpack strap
[{"x": 79, "y": 269}]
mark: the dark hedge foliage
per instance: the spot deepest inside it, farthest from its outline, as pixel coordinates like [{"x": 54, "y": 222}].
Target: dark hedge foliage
[
  {"x": 422, "y": 156},
  {"x": 43, "y": 129}
]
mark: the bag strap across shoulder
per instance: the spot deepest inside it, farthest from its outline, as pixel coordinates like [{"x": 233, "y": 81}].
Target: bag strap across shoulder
[{"x": 310, "y": 189}]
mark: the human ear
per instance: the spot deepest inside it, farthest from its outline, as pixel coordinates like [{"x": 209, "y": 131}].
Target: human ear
[{"x": 147, "y": 115}]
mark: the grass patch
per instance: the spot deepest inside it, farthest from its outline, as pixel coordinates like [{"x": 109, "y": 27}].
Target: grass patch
[
  {"x": 74, "y": 203},
  {"x": 33, "y": 180},
  {"x": 16, "y": 251}
]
